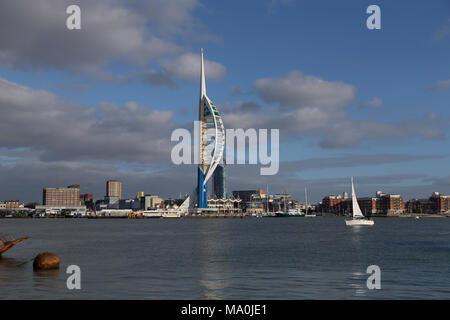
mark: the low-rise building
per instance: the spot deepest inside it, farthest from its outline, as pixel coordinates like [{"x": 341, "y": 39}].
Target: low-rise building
[
  {"x": 151, "y": 201},
  {"x": 225, "y": 206},
  {"x": 12, "y": 204}
]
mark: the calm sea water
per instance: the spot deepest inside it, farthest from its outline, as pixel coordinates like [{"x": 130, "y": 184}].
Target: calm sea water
[{"x": 270, "y": 258}]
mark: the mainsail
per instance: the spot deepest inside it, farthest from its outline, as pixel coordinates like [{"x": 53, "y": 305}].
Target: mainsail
[{"x": 355, "y": 206}]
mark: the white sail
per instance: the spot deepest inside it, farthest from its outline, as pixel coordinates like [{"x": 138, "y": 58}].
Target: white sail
[{"x": 355, "y": 206}]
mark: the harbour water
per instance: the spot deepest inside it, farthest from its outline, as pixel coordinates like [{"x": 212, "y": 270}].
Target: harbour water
[{"x": 268, "y": 258}]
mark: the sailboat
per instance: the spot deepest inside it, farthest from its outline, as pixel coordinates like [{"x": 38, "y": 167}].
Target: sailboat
[{"x": 358, "y": 217}]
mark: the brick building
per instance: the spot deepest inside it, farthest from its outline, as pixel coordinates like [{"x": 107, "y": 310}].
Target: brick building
[
  {"x": 69, "y": 196},
  {"x": 436, "y": 203}
]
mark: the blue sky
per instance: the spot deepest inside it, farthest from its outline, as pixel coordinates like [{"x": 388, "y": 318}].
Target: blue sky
[{"x": 396, "y": 109}]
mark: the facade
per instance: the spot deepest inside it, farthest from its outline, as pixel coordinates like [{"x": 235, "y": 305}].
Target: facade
[
  {"x": 246, "y": 195},
  {"x": 60, "y": 210},
  {"x": 12, "y": 204},
  {"x": 111, "y": 200},
  {"x": 67, "y": 197},
  {"x": 380, "y": 204},
  {"x": 132, "y": 204},
  {"x": 220, "y": 181},
  {"x": 210, "y": 150},
  {"x": 151, "y": 201},
  {"x": 335, "y": 204},
  {"x": 439, "y": 203},
  {"x": 281, "y": 202},
  {"x": 87, "y": 200},
  {"x": 114, "y": 189},
  {"x": 172, "y": 203},
  {"x": 418, "y": 206},
  {"x": 390, "y": 204},
  {"x": 225, "y": 206},
  {"x": 436, "y": 203},
  {"x": 139, "y": 194},
  {"x": 368, "y": 205},
  {"x": 256, "y": 201}
]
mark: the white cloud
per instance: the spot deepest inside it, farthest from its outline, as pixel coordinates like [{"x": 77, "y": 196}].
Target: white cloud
[
  {"x": 298, "y": 90},
  {"x": 39, "y": 120},
  {"x": 33, "y": 35}
]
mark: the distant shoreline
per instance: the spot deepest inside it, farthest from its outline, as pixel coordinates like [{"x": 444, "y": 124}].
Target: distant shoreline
[{"x": 214, "y": 216}]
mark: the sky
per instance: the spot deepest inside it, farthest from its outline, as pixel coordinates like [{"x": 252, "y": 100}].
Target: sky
[{"x": 84, "y": 106}]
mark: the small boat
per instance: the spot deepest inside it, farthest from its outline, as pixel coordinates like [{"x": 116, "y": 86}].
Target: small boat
[
  {"x": 296, "y": 213},
  {"x": 152, "y": 214},
  {"x": 358, "y": 217},
  {"x": 171, "y": 215},
  {"x": 281, "y": 214}
]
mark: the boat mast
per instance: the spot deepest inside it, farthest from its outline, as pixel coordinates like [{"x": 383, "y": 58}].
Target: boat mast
[
  {"x": 285, "y": 195},
  {"x": 306, "y": 202}
]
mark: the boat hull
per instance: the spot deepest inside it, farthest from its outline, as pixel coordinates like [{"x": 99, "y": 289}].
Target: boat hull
[{"x": 359, "y": 222}]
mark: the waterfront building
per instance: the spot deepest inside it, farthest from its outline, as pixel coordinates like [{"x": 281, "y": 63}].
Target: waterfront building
[
  {"x": 256, "y": 201},
  {"x": 139, "y": 194},
  {"x": 86, "y": 197},
  {"x": 281, "y": 202},
  {"x": 172, "y": 203},
  {"x": 226, "y": 206},
  {"x": 436, "y": 203},
  {"x": 439, "y": 203},
  {"x": 390, "y": 204},
  {"x": 131, "y": 204},
  {"x": 220, "y": 181},
  {"x": 150, "y": 201},
  {"x": 87, "y": 200},
  {"x": 114, "y": 189},
  {"x": 418, "y": 206},
  {"x": 246, "y": 195},
  {"x": 2, "y": 205},
  {"x": 111, "y": 200},
  {"x": 368, "y": 205},
  {"x": 335, "y": 204},
  {"x": 12, "y": 204},
  {"x": 69, "y": 196},
  {"x": 380, "y": 204}
]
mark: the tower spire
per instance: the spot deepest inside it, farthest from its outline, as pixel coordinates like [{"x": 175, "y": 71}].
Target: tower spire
[{"x": 202, "y": 78}]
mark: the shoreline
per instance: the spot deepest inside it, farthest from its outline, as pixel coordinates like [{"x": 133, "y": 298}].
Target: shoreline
[{"x": 243, "y": 216}]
